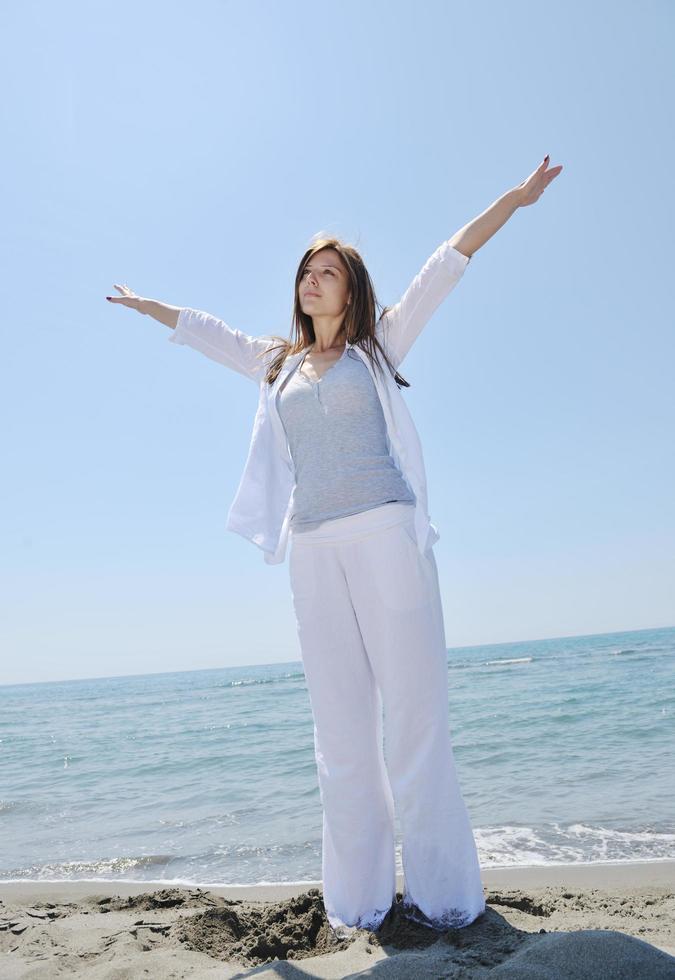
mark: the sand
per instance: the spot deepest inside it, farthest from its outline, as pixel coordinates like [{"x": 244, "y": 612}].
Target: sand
[{"x": 574, "y": 921}]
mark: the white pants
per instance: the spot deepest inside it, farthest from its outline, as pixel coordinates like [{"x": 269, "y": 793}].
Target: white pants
[{"x": 372, "y": 637}]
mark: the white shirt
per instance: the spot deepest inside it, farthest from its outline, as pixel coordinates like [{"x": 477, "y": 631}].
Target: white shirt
[{"x": 263, "y": 503}]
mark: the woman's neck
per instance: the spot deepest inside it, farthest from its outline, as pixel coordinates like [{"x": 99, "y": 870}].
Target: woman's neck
[{"x": 322, "y": 350}]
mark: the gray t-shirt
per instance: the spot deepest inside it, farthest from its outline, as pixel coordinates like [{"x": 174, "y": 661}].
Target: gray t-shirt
[{"x": 337, "y": 435}]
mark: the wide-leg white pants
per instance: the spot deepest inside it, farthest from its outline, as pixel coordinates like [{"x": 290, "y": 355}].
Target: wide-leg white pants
[{"x": 372, "y": 639}]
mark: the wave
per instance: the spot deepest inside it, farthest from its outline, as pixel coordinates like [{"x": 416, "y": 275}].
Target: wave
[
  {"x": 257, "y": 681},
  {"x": 512, "y": 845},
  {"x": 511, "y": 660},
  {"x": 75, "y": 870}
]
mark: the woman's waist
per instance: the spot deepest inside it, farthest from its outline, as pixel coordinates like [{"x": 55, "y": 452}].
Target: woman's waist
[{"x": 355, "y": 525}]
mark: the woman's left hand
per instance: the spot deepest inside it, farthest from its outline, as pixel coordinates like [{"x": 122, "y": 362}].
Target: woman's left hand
[{"x": 535, "y": 185}]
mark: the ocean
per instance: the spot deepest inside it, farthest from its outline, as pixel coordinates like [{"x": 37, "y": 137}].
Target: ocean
[{"x": 565, "y": 750}]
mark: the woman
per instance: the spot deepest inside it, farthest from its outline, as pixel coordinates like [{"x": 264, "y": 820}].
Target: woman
[{"x": 335, "y": 466}]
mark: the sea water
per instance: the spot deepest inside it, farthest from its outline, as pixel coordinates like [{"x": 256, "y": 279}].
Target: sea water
[{"x": 565, "y": 750}]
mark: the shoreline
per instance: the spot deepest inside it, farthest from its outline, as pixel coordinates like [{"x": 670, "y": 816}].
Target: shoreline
[{"x": 596, "y": 874}]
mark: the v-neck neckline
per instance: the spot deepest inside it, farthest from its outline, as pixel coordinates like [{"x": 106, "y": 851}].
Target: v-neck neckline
[{"x": 319, "y": 380}]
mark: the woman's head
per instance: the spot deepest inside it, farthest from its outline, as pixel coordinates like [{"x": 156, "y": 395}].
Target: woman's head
[
  {"x": 335, "y": 271},
  {"x": 323, "y": 286}
]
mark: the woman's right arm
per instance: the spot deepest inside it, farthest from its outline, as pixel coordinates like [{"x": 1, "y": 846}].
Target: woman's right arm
[
  {"x": 205, "y": 333},
  {"x": 160, "y": 311}
]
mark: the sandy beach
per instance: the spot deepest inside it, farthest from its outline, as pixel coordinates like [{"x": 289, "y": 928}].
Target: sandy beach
[{"x": 573, "y": 921}]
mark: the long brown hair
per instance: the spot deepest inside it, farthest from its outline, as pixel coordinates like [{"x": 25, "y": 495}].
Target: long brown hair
[{"x": 360, "y": 318}]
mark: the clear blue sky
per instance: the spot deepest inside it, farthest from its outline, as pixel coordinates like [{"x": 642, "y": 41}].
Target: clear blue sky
[{"x": 192, "y": 152}]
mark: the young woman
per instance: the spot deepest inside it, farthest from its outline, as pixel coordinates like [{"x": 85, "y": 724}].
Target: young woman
[{"x": 336, "y": 467}]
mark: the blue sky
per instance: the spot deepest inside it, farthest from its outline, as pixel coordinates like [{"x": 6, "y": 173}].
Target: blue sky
[{"x": 193, "y": 152}]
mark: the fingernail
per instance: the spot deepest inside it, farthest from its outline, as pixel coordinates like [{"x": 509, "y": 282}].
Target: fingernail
[{"x": 108, "y": 297}]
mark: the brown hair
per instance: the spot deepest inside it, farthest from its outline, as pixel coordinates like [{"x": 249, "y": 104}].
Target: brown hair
[{"x": 360, "y": 318}]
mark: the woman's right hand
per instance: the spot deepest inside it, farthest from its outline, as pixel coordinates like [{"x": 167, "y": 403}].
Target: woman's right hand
[{"x": 128, "y": 297}]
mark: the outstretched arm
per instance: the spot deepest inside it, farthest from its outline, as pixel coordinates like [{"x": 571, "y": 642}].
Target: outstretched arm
[
  {"x": 222, "y": 343},
  {"x": 403, "y": 323},
  {"x": 472, "y": 236},
  {"x": 204, "y": 332}
]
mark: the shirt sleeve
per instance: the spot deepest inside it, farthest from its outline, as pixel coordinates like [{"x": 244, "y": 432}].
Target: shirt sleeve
[
  {"x": 222, "y": 343},
  {"x": 403, "y": 323}
]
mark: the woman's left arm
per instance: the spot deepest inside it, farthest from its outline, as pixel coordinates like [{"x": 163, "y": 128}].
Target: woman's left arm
[
  {"x": 403, "y": 323},
  {"x": 475, "y": 234}
]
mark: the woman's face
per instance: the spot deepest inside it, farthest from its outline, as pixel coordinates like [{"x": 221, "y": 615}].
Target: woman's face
[{"x": 324, "y": 285}]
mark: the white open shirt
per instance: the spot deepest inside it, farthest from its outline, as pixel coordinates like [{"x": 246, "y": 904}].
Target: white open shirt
[{"x": 262, "y": 506}]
